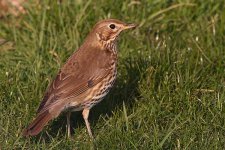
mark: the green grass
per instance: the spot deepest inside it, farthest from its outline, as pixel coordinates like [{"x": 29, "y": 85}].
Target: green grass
[{"x": 170, "y": 89}]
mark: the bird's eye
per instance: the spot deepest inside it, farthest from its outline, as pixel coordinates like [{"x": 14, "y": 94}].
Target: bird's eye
[{"x": 112, "y": 26}]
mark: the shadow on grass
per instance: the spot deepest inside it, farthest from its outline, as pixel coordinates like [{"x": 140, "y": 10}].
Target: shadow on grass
[{"x": 125, "y": 91}]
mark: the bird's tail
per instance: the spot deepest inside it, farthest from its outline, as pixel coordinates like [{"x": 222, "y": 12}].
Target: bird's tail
[{"x": 38, "y": 123}]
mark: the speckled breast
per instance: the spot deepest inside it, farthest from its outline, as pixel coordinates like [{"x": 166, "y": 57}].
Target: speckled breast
[{"x": 101, "y": 90}]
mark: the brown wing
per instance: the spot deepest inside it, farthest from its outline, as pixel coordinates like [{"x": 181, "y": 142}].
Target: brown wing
[{"x": 84, "y": 69}]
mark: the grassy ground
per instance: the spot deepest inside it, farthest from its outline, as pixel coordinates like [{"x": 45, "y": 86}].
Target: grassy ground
[{"x": 170, "y": 90}]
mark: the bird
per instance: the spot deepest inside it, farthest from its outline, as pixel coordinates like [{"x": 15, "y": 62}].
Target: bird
[{"x": 84, "y": 80}]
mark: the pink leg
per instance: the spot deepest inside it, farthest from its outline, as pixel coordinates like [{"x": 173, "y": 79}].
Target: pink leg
[
  {"x": 68, "y": 123},
  {"x": 85, "y": 114}
]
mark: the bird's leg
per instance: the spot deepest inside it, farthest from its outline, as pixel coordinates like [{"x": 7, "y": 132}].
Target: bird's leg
[
  {"x": 85, "y": 114},
  {"x": 68, "y": 123}
]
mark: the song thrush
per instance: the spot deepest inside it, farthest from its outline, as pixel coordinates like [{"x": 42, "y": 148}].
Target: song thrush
[{"x": 85, "y": 79}]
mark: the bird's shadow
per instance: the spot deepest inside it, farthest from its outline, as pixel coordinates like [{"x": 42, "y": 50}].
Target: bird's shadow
[{"x": 124, "y": 91}]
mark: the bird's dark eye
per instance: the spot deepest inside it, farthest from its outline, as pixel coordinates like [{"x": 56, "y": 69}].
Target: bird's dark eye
[{"x": 112, "y": 26}]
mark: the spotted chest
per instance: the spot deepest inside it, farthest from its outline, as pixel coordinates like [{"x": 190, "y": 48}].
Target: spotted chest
[{"x": 101, "y": 90}]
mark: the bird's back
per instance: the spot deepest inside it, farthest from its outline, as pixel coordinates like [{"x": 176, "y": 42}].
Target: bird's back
[{"x": 80, "y": 74}]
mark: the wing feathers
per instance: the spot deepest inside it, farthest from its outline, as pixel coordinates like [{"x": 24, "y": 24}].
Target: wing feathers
[{"x": 73, "y": 80}]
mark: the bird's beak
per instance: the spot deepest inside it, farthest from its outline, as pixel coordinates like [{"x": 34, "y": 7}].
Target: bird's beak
[{"x": 129, "y": 26}]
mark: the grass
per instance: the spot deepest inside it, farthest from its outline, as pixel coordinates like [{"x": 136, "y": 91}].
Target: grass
[{"x": 170, "y": 89}]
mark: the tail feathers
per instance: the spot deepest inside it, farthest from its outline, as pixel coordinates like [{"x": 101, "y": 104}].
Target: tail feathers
[{"x": 37, "y": 125}]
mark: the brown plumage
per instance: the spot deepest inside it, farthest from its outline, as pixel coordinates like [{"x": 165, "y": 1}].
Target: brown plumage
[{"x": 85, "y": 78}]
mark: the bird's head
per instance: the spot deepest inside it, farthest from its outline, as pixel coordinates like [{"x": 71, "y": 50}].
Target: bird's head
[{"x": 109, "y": 29}]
